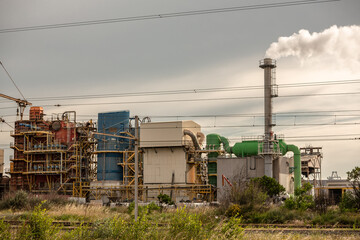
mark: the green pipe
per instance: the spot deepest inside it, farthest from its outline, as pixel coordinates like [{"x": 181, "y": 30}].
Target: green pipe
[
  {"x": 251, "y": 148},
  {"x": 297, "y": 165},
  {"x": 246, "y": 148},
  {"x": 213, "y": 143}
]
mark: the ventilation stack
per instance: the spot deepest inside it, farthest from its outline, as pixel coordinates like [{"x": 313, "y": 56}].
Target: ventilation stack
[{"x": 270, "y": 91}]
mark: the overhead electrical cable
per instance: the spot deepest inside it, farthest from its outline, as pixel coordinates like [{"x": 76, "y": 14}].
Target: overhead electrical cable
[
  {"x": 166, "y": 15},
  {"x": 12, "y": 80},
  {"x": 196, "y": 100},
  {"x": 202, "y": 99},
  {"x": 191, "y": 91},
  {"x": 335, "y": 113}
]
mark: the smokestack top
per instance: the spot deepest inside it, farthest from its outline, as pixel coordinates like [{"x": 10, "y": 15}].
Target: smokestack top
[{"x": 267, "y": 62}]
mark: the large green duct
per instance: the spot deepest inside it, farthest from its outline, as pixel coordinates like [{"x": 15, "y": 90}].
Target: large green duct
[
  {"x": 251, "y": 148},
  {"x": 284, "y": 148}
]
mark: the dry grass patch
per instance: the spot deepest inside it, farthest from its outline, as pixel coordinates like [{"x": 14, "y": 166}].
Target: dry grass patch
[{"x": 81, "y": 212}]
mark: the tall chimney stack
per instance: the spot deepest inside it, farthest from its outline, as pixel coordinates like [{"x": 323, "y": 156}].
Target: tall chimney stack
[{"x": 270, "y": 91}]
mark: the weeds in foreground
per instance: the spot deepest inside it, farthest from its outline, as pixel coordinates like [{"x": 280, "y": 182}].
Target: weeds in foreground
[
  {"x": 38, "y": 226},
  {"x": 181, "y": 223},
  {"x": 4, "y": 230}
]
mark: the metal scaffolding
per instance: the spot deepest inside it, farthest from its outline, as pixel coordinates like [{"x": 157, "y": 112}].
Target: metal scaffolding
[
  {"x": 52, "y": 156},
  {"x": 311, "y": 158}
]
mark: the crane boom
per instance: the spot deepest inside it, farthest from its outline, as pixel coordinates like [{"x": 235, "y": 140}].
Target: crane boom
[{"x": 21, "y": 103}]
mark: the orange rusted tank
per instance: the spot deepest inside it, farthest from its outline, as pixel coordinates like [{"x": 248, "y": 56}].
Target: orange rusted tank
[
  {"x": 64, "y": 132},
  {"x": 36, "y": 113}
]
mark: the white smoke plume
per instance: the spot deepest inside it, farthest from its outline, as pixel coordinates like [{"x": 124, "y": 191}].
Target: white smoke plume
[{"x": 335, "y": 44}]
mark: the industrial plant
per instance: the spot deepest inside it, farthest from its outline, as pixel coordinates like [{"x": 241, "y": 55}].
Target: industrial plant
[{"x": 117, "y": 156}]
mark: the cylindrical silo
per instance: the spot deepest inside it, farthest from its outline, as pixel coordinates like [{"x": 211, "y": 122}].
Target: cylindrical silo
[{"x": 110, "y": 148}]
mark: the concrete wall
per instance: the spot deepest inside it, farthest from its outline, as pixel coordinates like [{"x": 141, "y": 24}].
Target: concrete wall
[
  {"x": 282, "y": 173},
  {"x": 235, "y": 168},
  {"x": 161, "y": 163},
  {"x": 165, "y": 134},
  {"x": 251, "y": 167}
]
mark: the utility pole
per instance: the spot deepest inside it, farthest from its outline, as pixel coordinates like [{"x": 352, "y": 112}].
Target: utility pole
[{"x": 136, "y": 165}]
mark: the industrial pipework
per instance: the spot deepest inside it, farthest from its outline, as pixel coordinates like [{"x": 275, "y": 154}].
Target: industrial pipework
[{"x": 251, "y": 148}]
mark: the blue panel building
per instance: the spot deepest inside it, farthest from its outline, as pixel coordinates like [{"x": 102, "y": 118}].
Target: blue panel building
[{"x": 107, "y": 163}]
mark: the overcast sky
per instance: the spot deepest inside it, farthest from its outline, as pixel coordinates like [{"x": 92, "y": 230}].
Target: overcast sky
[{"x": 219, "y": 50}]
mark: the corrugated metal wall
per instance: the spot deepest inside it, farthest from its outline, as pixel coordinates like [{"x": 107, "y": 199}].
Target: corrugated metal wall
[{"x": 111, "y": 123}]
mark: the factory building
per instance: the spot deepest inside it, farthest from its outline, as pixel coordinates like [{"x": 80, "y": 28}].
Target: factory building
[
  {"x": 51, "y": 156},
  {"x": 61, "y": 155},
  {"x": 172, "y": 160}
]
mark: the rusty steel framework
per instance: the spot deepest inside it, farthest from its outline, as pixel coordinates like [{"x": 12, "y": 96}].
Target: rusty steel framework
[
  {"x": 52, "y": 156},
  {"x": 311, "y": 158}
]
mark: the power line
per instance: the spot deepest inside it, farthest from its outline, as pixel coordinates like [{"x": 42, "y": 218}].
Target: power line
[
  {"x": 317, "y": 113},
  {"x": 199, "y": 99},
  {"x": 195, "y": 100},
  {"x": 12, "y": 80},
  {"x": 261, "y": 125},
  {"x": 192, "y": 91},
  {"x": 166, "y": 15}
]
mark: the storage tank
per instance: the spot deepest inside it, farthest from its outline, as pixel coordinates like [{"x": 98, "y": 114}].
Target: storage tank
[
  {"x": 109, "y": 147},
  {"x": 64, "y": 131}
]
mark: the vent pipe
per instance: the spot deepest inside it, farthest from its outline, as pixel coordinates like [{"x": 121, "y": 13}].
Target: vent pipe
[{"x": 270, "y": 91}]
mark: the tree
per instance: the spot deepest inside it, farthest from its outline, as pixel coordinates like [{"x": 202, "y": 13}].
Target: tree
[
  {"x": 354, "y": 179},
  {"x": 269, "y": 185}
]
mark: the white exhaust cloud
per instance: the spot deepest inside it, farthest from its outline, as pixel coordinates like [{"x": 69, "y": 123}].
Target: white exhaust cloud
[{"x": 335, "y": 44}]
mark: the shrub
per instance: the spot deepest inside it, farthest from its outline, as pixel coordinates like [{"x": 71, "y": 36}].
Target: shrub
[
  {"x": 354, "y": 178},
  {"x": 38, "y": 226},
  {"x": 233, "y": 210},
  {"x": 321, "y": 203},
  {"x": 164, "y": 198},
  {"x": 302, "y": 200},
  {"x": 290, "y": 203},
  {"x": 184, "y": 225},
  {"x": 153, "y": 207},
  {"x": 118, "y": 228},
  {"x": 269, "y": 185},
  {"x": 348, "y": 203},
  {"x": 4, "y": 230},
  {"x": 17, "y": 201},
  {"x": 143, "y": 209},
  {"x": 80, "y": 233},
  {"x": 21, "y": 200},
  {"x": 232, "y": 229}
]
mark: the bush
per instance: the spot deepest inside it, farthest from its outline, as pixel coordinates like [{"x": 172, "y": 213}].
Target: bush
[
  {"x": 232, "y": 229},
  {"x": 17, "y": 201},
  {"x": 335, "y": 218},
  {"x": 38, "y": 226},
  {"x": 21, "y": 200},
  {"x": 269, "y": 185},
  {"x": 118, "y": 228},
  {"x": 80, "y": 233},
  {"x": 164, "y": 198},
  {"x": 4, "y": 230},
  {"x": 321, "y": 203},
  {"x": 348, "y": 203},
  {"x": 354, "y": 178},
  {"x": 144, "y": 210},
  {"x": 233, "y": 211},
  {"x": 302, "y": 200},
  {"x": 290, "y": 203},
  {"x": 186, "y": 226}
]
